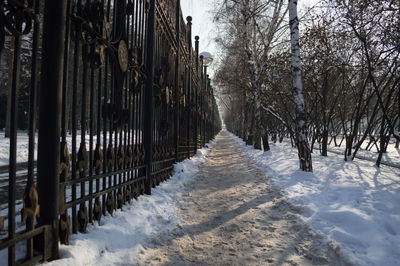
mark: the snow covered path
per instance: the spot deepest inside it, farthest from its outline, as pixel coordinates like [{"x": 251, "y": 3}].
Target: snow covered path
[{"x": 232, "y": 215}]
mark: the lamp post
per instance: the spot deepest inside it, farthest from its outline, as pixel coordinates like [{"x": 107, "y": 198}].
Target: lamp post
[
  {"x": 207, "y": 59},
  {"x": 213, "y": 110}
]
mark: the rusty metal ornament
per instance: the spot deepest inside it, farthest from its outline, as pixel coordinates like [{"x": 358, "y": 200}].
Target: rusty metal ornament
[
  {"x": 136, "y": 190},
  {"x": 107, "y": 30},
  {"x": 120, "y": 199},
  {"x": 110, "y": 203},
  {"x": 159, "y": 153},
  {"x": 136, "y": 154},
  {"x": 128, "y": 194},
  {"x": 142, "y": 153},
  {"x": 16, "y": 18},
  {"x": 135, "y": 81},
  {"x": 120, "y": 157},
  {"x": 31, "y": 207},
  {"x": 64, "y": 162},
  {"x": 123, "y": 57},
  {"x": 129, "y": 155},
  {"x": 82, "y": 218},
  {"x": 97, "y": 210},
  {"x": 110, "y": 157},
  {"x": 167, "y": 94},
  {"x": 64, "y": 228},
  {"x": 97, "y": 57},
  {"x": 155, "y": 153},
  {"x": 98, "y": 158},
  {"x": 83, "y": 158},
  {"x": 2, "y": 223}
]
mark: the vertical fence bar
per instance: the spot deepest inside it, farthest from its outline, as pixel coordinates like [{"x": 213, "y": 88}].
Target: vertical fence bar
[
  {"x": 32, "y": 97},
  {"x": 205, "y": 106},
  {"x": 50, "y": 117},
  {"x": 32, "y": 119},
  {"x": 189, "y": 91},
  {"x": 148, "y": 95},
  {"x": 77, "y": 30},
  {"x": 177, "y": 90},
  {"x": 13, "y": 147},
  {"x": 197, "y": 111}
]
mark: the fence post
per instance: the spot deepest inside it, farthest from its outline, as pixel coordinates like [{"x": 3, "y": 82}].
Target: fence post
[
  {"x": 190, "y": 88},
  {"x": 212, "y": 114},
  {"x": 205, "y": 104},
  {"x": 148, "y": 98},
  {"x": 201, "y": 100},
  {"x": 197, "y": 112},
  {"x": 177, "y": 96},
  {"x": 50, "y": 118}
]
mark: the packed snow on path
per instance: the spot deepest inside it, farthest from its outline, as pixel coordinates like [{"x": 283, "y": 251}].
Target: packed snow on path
[
  {"x": 232, "y": 215},
  {"x": 120, "y": 238},
  {"x": 354, "y": 204}
]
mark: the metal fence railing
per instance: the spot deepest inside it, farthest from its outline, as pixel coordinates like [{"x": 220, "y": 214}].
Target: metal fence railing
[{"x": 117, "y": 93}]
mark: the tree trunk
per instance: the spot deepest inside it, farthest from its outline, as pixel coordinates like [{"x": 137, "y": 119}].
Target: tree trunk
[
  {"x": 266, "y": 143},
  {"x": 280, "y": 138},
  {"x": 381, "y": 143},
  {"x": 257, "y": 130},
  {"x": 349, "y": 147},
  {"x": 245, "y": 119},
  {"x": 249, "y": 140},
  {"x": 324, "y": 144},
  {"x": 386, "y": 144},
  {"x": 301, "y": 130},
  {"x": 398, "y": 129},
  {"x": 257, "y": 141},
  {"x": 250, "y": 137}
]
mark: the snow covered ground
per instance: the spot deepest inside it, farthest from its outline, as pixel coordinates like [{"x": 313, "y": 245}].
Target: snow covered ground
[
  {"x": 22, "y": 148},
  {"x": 354, "y": 204},
  {"x": 391, "y": 156},
  {"x": 119, "y": 238}
]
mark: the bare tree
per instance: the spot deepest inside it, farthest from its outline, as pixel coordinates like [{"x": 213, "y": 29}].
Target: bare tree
[{"x": 304, "y": 151}]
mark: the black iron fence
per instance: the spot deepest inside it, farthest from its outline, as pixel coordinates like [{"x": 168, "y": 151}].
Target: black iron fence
[{"x": 118, "y": 94}]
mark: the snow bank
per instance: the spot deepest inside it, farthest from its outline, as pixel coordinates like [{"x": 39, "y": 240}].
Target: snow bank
[
  {"x": 119, "y": 238},
  {"x": 354, "y": 204}
]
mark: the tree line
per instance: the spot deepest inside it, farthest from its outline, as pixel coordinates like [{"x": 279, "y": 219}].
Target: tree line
[{"x": 344, "y": 89}]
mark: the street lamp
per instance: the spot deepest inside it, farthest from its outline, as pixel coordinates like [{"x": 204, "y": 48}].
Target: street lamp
[{"x": 207, "y": 59}]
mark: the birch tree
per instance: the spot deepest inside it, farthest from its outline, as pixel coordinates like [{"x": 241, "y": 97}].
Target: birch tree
[
  {"x": 303, "y": 148},
  {"x": 251, "y": 27}
]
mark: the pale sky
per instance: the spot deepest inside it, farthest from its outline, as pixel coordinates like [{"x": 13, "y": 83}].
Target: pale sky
[{"x": 202, "y": 24}]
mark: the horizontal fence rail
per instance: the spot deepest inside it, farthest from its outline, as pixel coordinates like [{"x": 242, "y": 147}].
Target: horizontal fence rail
[{"x": 112, "y": 93}]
